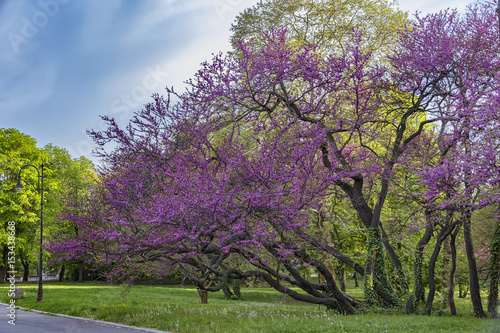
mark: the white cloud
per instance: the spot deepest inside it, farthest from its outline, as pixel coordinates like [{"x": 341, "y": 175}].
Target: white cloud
[{"x": 432, "y": 6}]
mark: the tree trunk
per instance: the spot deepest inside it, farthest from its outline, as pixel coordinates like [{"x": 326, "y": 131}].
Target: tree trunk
[
  {"x": 432, "y": 265},
  {"x": 236, "y": 288},
  {"x": 419, "y": 291},
  {"x": 26, "y": 270},
  {"x": 443, "y": 234},
  {"x": 461, "y": 292},
  {"x": 473, "y": 275},
  {"x": 453, "y": 270},
  {"x": 62, "y": 272},
  {"x": 397, "y": 263},
  {"x": 356, "y": 283},
  {"x": 80, "y": 271},
  {"x": 494, "y": 273},
  {"x": 3, "y": 265},
  {"x": 227, "y": 292},
  {"x": 445, "y": 269},
  {"x": 203, "y": 295},
  {"x": 340, "y": 275},
  {"x": 378, "y": 290}
]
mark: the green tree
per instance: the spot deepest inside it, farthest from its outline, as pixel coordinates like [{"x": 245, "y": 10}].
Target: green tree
[
  {"x": 328, "y": 24},
  {"x": 16, "y": 150},
  {"x": 63, "y": 176}
]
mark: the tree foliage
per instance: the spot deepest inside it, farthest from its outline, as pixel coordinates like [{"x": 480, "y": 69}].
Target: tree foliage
[
  {"x": 61, "y": 172},
  {"x": 247, "y": 162}
]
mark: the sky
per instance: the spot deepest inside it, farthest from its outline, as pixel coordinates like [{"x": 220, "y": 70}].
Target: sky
[{"x": 63, "y": 63}]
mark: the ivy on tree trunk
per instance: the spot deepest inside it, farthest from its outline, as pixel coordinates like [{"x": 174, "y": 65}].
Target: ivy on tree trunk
[{"x": 378, "y": 289}]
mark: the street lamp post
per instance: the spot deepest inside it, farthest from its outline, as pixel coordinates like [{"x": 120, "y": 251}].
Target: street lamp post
[{"x": 18, "y": 188}]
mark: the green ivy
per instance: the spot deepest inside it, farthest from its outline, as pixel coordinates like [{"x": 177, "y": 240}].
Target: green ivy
[
  {"x": 494, "y": 273},
  {"x": 378, "y": 290},
  {"x": 236, "y": 288}
]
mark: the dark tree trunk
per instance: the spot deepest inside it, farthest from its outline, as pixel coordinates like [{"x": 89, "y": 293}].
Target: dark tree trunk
[
  {"x": 227, "y": 292},
  {"x": 3, "y": 267},
  {"x": 432, "y": 265},
  {"x": 453, "y": 270},
  {"x": 26, "y": 269},
  {"x": 494, "y": 273},
  {"x": 62, "y": 272},
  {"x": 473, "y": 275},
  {"x": 445, "y": 269},
  {"x": 419, "y": 291},
  {"x": 356, "y": 283},
  {"x": 236, "y": 288},
  {"x": 443, "y": 234},
  {"x": 377, "y": 288},
  {"x": 80, "y": 271}
]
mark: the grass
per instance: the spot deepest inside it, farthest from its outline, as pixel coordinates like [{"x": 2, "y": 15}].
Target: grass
[{"x": 178, "y": 309}]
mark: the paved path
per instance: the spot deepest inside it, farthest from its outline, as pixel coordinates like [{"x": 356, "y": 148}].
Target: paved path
[{"x": 34, "y": 322}]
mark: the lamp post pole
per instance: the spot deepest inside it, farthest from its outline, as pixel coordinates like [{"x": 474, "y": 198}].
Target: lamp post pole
[{"x": 18, "y": 188}]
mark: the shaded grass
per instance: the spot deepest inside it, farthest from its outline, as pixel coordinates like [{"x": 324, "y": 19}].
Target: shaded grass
[{"x": 178, "y": 309}]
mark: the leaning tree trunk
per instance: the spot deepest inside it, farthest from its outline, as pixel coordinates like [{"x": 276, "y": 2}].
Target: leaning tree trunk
[
  {"x": 419, "y": 290},
  {"x": 473, "y": 275},
  {"x": 227, "y": 292},
  {"x": 377, "y": 289},
  {"x": 432, "y": 266},
  {"x": 443, "y": 234},
  {"x": 494, "y": 273},
  {"x": 397, "y": 263},
  {"x": 453, "y": 270}
]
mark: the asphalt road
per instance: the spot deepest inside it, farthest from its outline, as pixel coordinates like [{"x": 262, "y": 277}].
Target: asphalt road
[{"x": 31, "y": 322}]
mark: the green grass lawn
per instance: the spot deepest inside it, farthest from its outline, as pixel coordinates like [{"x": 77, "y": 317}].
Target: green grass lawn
[{"x": 178, "y": 309}]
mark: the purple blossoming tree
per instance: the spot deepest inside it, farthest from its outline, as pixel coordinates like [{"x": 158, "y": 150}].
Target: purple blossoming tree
[{"x": 241, "y": 165}]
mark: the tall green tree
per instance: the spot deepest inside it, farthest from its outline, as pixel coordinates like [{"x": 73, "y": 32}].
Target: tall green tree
[
  {"x": 330, "y": 25},
  {"x": 63, "y": 176},
  {"x": 16, "y": 150}
]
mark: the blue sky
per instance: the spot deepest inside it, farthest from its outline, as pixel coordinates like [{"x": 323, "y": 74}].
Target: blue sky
[{"x": 65, "y": 62}]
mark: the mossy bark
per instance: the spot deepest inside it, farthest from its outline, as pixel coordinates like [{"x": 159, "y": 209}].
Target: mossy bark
[
  {"x": 378, "y": 290},
  {"x": 227, "y": 292},
  {"x": 418, "y": 295},
  {"x": 494, "y": 273},
  {"x": 236, "y": 288},
  {"x": 340, "y": 275}
]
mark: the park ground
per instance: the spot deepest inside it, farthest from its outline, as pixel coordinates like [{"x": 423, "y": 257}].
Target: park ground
[{"x": 178, "y": 309}]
